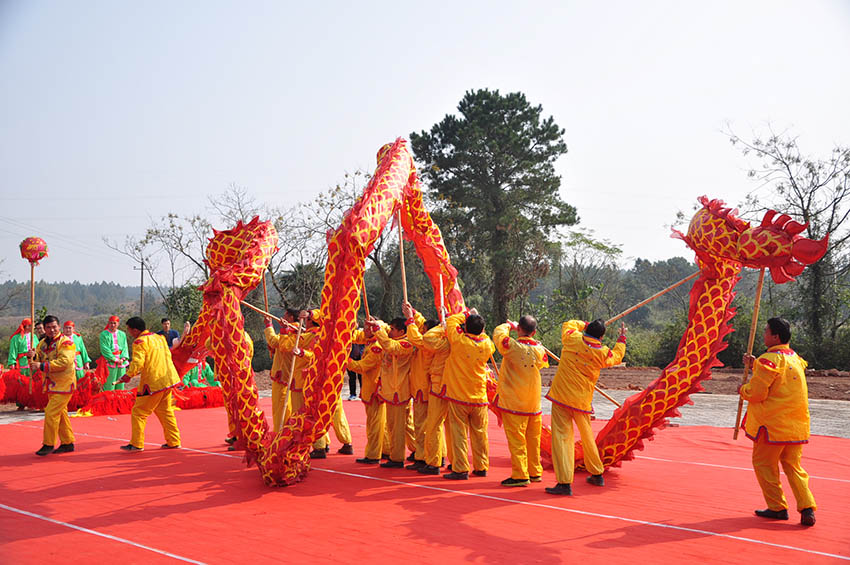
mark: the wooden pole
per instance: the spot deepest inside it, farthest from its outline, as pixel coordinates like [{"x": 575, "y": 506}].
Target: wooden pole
[
  {"x": 651, "y": 298},
  {"x": 266, "y": 303},
  {"x": 33, "y": 340},
  {"x": 366, "y": 300},
  {"x": 401, "y": 257},
  {"x": 599, "y": 390},
  {"x": 292, "y": 369},
  {"x": 264, "y": 313},
  {"x": 753, "y": 329},
  {"x": 442, "y": 303},
  {"x": 495, "y": 368}
]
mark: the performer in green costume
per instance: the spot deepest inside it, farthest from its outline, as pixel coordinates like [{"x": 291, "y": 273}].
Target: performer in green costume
[
  {"x": 19, "y": 343},
  {"x": 201, "y": 376},
  {"x": 82, "y": 360},
  {"x": 113, "y": 348}
]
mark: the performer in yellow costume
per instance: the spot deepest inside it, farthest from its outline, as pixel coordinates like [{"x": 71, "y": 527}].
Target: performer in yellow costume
[
  {"x": 394, "y": 390},
  {"x": 281, "y": 364},
  {"x": 465, "y": 378},
  {"x": 777, "y": 421},
  {"x": 55, "y": 355},
  {"x": 369, "y": 367},
  {"x": 582, "y": 357},
  {"x": 437, "y": 442},
  {"x": 518, "y": 398},
  {"x": 420, "y": 382},
  {"x": 151, "y": 361}
]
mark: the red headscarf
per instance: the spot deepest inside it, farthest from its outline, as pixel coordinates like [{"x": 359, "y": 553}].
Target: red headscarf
[
  {"x": 20, "y": 330},
  {"x": 70, "y": 324},
  {"x": 111, "y": 319}
]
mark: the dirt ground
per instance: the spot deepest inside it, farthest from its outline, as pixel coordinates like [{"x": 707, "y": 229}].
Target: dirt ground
[{"x": 826, "y": 385}]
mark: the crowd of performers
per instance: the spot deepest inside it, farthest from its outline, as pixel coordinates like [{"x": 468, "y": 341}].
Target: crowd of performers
[
  {"x": 114, "y": 352},
  {"x": 424, "y": 389}
]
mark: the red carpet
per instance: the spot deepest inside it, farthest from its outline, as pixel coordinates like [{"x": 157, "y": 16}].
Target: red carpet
[{"x": 690, "y": 495}]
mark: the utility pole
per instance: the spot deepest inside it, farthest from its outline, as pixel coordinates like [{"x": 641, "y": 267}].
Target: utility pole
[{"x": 142, "y": 292}]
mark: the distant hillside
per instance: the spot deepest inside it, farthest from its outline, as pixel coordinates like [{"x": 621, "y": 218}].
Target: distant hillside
[{"x": 72, "y": 300}]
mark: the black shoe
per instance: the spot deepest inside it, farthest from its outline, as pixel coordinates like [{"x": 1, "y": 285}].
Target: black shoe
[
  {"x": 385, "y": 456},
  {"x": 346, "y": 449},
  {"x": 412, "y": 457},
  {"x": 456, "y": 476},
  {"x": 415, "y": 466},
  {"x": 773, "y": 514},
  {"x": 131, "y": 447},
  {"x": 318, "y": 454},
  {"x": 537, "y": 479},
  {"x": 45, "y": 450},
  {"x": 807, "y": 516},
  {"x": 596, "y": 480},
  {"x": 64, "y": 448},
  {"x": 515, "y": 482},
  {"x": 231, "y": 448},
  {"x": 166, "y": 446},
  {"x": 565, "y": 489},
  {"x": 429, "y": 470},
  {"x": 480, "y": 473},
  {"x": 367, "y": 461},
  {"x": 230, "y": 440},
  {"x": 390, "y": 464}
]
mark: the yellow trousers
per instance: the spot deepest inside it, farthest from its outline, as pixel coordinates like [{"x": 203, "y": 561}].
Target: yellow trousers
[
  {"x": 56, "y": 420},
  {"x": 159, "y": 404},
  {"x": 296, "y": 401},
  {"x": 766, "y": 460},
  {"x": 397, "y": 416},
  {"x": 563, "y": 444},
  {"x": 231, "y": 423},
  {"x": 523, "y": 433},
  {"x": 436, "y": 445},
  {"x": 340, "y": 426},
  {"x": 409, "y": 433},
  {"x": 469, "y": 422},
  {"x": 376, "y": 421},
  {"x": 279, "y": 393},
  {"x": 420, "y": 415}
]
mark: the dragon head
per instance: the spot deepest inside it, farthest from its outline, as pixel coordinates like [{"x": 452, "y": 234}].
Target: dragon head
[
  {"x": 239, "y": 256},
  {"x": 716, "y": 232}
]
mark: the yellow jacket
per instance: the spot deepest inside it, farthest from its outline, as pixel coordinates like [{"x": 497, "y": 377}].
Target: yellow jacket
[
  {"x": 420, "y": 382},
  {"x": 778, "y": 397},
  {"x": 395, "y": 368},
  {"x": 582, "y": 357},
  {"x": 282, "y": 360},
  {"x": 465, "y": 375},
  {"x": 152, "y": 361},
  {"x": 519, "y": 375},
  {"x": 369, "y": 366},
  {"x": 435, "y": 341},
  {"x": 59, "y": 364},
  {"x": 285, "y": 345}
]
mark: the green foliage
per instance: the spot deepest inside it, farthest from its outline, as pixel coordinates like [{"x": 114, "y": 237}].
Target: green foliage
[
  {"x": 183, "y": 303},
  {"x": 491, "y": 173}
]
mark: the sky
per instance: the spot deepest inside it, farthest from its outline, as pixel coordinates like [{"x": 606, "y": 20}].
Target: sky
[{"x": 113, "y": 114}]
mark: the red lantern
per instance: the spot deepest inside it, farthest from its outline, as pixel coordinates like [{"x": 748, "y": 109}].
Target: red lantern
[{"x": 33, "y": 249}]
